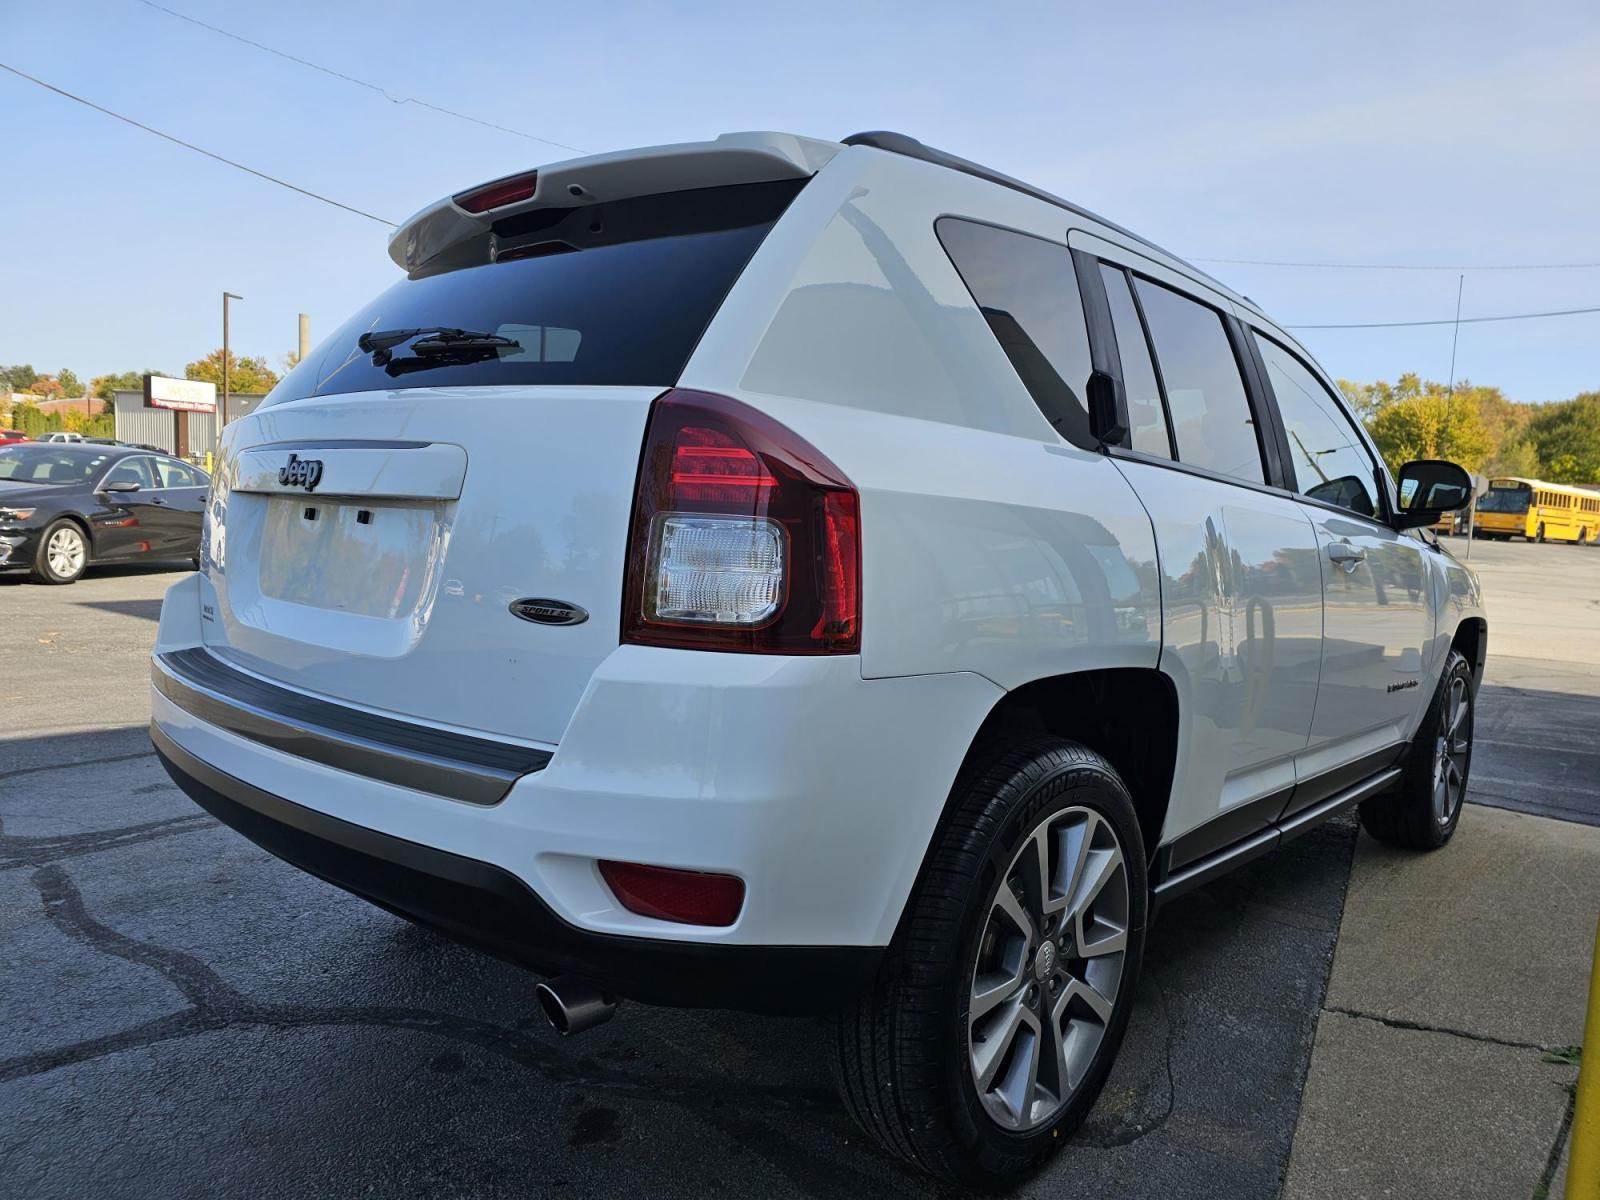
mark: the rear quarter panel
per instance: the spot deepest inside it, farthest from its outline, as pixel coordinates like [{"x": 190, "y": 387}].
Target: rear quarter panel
[{"x": 989, "y": 544}]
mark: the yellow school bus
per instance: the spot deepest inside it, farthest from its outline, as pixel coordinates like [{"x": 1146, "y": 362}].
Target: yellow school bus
[{"x": 1538, "y": 511}]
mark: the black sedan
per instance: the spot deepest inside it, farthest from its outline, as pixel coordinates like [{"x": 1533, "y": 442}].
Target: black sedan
[{"x": 63, "y": 507}]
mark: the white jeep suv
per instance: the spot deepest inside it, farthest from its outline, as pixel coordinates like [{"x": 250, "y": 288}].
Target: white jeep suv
[{"x": 816, "y": 577}]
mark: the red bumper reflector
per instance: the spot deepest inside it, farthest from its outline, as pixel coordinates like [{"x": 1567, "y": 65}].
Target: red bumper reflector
[{"x": 687, "y": 897}]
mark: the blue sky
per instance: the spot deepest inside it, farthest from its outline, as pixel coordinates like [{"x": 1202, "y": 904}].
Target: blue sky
[{"x": 1356, "y": 132}]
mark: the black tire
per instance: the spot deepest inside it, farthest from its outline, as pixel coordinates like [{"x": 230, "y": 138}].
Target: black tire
[
  {"x": 43, "y": 571},
  {"x": 1539, "y": 537},
  {"x": 1407, "y": 815},
  {"x": 903, "y": 1062}
]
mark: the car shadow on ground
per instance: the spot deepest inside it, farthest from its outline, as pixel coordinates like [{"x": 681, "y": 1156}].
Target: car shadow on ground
[
  {"x": 295, "y": 1039},
  {"x": 18, "y": 577},
  {"x": 145, "y": 610}
]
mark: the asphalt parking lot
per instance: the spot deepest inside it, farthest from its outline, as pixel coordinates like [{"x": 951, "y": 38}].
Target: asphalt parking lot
[{"x": 184, "y": 1015}]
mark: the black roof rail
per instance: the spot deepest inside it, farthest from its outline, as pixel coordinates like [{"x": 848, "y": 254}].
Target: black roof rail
[{"x": 910, "y": 147}]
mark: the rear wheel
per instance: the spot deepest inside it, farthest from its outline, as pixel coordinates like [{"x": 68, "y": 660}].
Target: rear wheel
[
  {"x": 62, "y": 555},
  {"x": 1421, "y": 812},
  {"x": 994, "y": 1021}
]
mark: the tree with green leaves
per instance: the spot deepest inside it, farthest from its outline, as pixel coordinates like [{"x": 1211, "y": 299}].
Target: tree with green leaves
[
  {"x": 18, "y": 378},
  {"x": 251, "y": 375},
  {"x": 103, "y": 386},
  {"x": 1430, "y": 426},
  {"x": 1567, "y": 435},
  {"x": 70, "y": 386}
]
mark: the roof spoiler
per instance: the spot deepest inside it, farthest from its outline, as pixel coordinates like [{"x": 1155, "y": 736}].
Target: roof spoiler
[{"x": 732, "y": 158}]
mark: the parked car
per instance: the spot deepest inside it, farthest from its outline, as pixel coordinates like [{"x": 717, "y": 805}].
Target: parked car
[
  {"x": 65, "y": 507},
  {"x": 877, "y": 585},
  {"x": 61, "y": 437},
  {"x": 12, "y": 435}
]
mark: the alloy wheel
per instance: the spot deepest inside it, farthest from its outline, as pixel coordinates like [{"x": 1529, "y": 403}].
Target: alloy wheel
[
  {"x": 1451, "y": 750},
  {"x": 1049, "y": 968},
  {"x": 65, "y": 552}
]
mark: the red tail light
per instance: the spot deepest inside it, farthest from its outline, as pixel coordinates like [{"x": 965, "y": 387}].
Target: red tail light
[
  {"x": 668, "y": 894},
  {"x": 745, "y": 537},
  {"x": 498, "y": 193}
]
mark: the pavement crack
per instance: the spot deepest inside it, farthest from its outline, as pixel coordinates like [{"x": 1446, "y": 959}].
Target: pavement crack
[
  {"x": 1422, "y": 1027},
  {"x": 215, "y": 1004},
  {"x": 1552, "y": 1164},
  {"x": 17, "y": 851},
  {"x": 63, "y": 905},
  {"x": 77, "y": 762}
]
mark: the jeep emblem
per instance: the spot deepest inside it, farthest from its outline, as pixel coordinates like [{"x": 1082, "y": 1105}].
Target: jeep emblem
[
  {"x": 300, "y": 472},
  {"x": 549, "y": 612}
]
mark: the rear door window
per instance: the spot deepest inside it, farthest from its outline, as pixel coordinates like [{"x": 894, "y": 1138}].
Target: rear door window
[
  {"x": 612, "y": 293},
  {"x": 1028, "y": 293},
  {"x": 1147, "y": 418},
  {"x": 170, "y": 473},
  {"x": 1330, "y": 464},
  {"x": 1211, "y": 414}
]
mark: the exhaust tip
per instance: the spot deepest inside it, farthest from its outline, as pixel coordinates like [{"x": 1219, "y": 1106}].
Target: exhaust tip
[{"x": 572, "y": 1006}]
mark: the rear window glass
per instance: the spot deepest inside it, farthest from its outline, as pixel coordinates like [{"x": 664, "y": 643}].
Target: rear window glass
[
  {"x": 1027, "y": 290},
  {"x": 614, "y": 293}
]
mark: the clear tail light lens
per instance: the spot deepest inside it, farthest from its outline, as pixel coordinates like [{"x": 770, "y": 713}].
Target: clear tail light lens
[
  {"x": 745, "y": 537},
  {"x": 715, "y": 570}
]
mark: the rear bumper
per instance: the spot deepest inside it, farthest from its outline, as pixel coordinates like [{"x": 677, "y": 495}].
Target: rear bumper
[
  {"x": 816, "y": 787},
  {"x": 484, "y": 906}
]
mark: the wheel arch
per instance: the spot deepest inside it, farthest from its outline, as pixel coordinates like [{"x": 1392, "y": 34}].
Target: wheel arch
[
  {"x": 78, "y": 519},
  {"x": 1471, "y": 640},
  {"x": 1128, "y": 715}
]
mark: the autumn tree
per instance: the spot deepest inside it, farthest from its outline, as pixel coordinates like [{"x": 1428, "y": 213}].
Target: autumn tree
[
  {"x": 1430, "y": 426},
  {"x": 251, "y": 375}
]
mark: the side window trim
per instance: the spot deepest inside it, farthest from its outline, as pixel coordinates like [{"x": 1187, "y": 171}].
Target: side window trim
[
  {"x": 1104, "y": 358},
  {"x": 1269, "y": 422}
]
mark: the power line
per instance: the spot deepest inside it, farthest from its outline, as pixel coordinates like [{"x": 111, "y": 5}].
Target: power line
[
  {"x": 197, "y": 149},
  {"x": 1533, "y": 316},
  {"x": 1349, "y": 266},
  {"x": 283, "y": 183},
  {"x": 373, "y": 87}
]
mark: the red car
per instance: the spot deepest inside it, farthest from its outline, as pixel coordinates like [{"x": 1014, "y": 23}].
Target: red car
[{"x": 12, "y": 435}]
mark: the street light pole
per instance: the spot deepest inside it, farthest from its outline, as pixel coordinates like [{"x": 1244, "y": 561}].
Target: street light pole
[{"x": 222, "y": 416}]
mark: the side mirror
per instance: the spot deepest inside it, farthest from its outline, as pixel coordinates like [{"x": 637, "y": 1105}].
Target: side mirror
[
  {"x": 1429, "y": 488},
  {"x": 120, "y": 485}
]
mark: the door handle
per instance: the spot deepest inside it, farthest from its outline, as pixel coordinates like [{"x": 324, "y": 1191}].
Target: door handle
[
  {"x": 158, "y": 500},
  {"x": 1346, "y": 555}
]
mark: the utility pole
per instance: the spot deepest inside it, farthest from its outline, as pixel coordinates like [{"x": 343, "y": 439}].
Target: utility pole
[
  {"x": 222, "y": 416},
  {"x": 305, "y": 338}
]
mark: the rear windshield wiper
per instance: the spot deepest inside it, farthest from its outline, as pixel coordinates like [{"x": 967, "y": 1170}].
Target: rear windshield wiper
[{"x": 435, "y": 341}]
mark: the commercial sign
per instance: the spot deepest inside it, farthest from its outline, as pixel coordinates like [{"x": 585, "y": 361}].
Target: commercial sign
[{"x": 187, "y": 395}]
